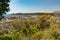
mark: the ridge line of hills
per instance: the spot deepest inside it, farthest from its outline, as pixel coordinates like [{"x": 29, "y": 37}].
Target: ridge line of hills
[{"x": 26, "y": 14}]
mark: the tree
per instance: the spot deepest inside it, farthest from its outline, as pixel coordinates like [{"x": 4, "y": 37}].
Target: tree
[{"x": 4, "y": 7}]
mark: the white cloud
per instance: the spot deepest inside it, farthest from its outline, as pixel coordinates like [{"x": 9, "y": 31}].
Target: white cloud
[{"x": 14, "y": 8}]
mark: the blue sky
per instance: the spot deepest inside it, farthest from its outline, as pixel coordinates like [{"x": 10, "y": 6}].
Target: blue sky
[{"x": 29, "y": 6}]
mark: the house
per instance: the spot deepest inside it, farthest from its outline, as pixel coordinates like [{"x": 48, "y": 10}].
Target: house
[
  {"x": 25, "y": 16},
  {"x": 57, "y": 16}
]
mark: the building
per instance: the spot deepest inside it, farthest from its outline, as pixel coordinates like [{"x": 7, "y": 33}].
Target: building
[
  {"x": 27, "y": 16},
  {"x": 57, "y": 16}
]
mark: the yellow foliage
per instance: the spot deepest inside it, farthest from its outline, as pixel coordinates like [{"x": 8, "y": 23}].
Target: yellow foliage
[
  {"x": 53, "y": 20},
  {"x": 48, "y": 16}
]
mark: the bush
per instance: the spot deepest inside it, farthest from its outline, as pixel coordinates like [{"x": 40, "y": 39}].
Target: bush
[{"x": 34, "y": 29}]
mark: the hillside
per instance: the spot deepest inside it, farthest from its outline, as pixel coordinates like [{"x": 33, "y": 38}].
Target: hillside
[{"x": 34, "y": 29}]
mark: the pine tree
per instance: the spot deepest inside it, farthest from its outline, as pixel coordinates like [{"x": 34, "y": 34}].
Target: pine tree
[{"x": 4, "y": 7}]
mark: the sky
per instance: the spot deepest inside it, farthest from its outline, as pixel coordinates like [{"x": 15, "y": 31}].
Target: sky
[{"x": 32, "y": 6}]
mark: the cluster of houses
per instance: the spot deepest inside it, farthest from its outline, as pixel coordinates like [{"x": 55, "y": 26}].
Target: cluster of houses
[
  {"x": 27, "y": 16},
  {"x": 57, "y": 16}
]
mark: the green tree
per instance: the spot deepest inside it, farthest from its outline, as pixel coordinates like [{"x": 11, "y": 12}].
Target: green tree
[{"x": 4, "y": 7}]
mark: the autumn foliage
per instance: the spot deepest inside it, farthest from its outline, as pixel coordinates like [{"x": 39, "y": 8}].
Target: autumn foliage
[{"x": 42, "y": 28}]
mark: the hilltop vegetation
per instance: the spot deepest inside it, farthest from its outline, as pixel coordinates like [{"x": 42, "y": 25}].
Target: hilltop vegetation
[{"x": 43, "y": 28}]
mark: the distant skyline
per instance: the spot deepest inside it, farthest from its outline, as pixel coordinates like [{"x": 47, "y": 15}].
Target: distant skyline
[{"x": 31, "y": 6}]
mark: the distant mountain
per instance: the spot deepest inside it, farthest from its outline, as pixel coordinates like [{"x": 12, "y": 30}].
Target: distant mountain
[
  {"x": 25, "y": 14},
  {"x": 29, "y": 13}
]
